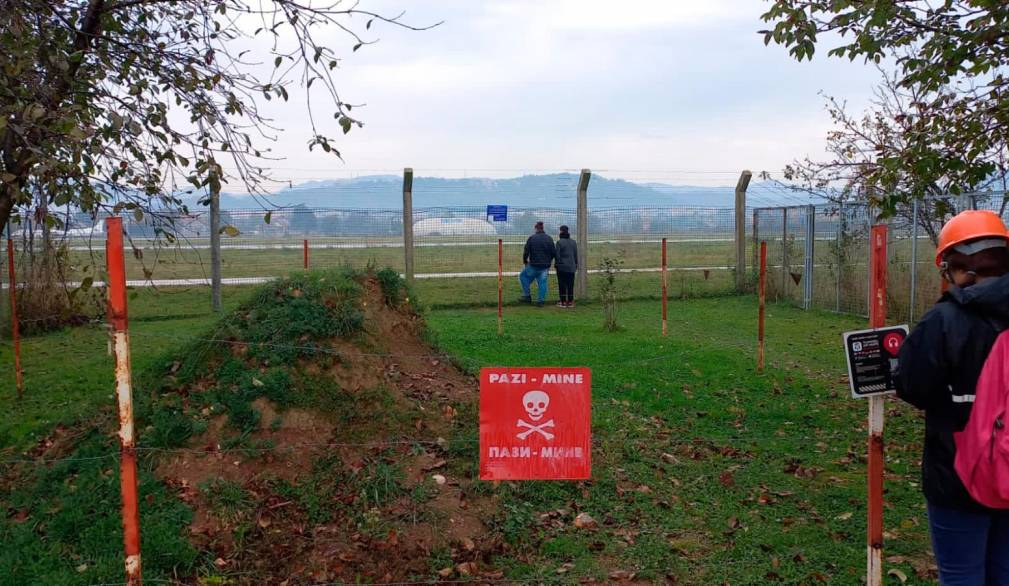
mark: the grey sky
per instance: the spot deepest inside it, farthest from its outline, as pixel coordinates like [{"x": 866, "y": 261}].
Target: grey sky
[{"x": 635, "y": 87}]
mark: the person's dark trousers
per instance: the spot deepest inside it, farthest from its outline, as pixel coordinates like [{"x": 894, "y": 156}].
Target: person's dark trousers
[
  {"x": 566, "y": 286},
  {"x": 971, "y": 549}
]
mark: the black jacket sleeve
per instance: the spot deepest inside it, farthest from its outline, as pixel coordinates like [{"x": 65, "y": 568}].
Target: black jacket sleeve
[
  {"x": 525, "y": 252},
  {"x": 923, "y": 372},
  {"x": 574, "y": 248}
]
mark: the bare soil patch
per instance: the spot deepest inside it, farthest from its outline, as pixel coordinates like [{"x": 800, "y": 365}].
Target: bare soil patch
[{"x": 365, "y": 491}]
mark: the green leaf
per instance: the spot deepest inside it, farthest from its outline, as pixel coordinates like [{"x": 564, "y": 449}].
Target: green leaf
[
  {"x": 86, "y": 283},
  {"x": 268, "y": 217},
  {"x": 138, "y": 215},
  {"x": 278, "y": 61},
  {"x": 357, "y": 46},
  {"x": 230, "y": 231},
  {"x": 346, "y": 123}
]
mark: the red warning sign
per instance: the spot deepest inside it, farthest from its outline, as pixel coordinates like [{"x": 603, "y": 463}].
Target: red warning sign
[{"x": 535, "y": 423}]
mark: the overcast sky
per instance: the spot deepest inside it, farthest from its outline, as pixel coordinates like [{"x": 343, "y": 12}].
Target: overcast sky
[{"x": 678, "y": 90}]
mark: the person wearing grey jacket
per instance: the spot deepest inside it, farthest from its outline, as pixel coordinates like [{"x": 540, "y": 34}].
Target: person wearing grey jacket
[{"x": 566, "y": 265}]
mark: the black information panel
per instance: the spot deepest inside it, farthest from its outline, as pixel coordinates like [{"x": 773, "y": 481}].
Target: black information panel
[{"x": 872, "y": 358}]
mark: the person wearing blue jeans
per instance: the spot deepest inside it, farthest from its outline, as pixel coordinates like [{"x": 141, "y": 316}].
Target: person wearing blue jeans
[
  {"x": 971, "y": 548},
  {"x": 537, "y": 256},
  {"x": 526, "y": 278}
]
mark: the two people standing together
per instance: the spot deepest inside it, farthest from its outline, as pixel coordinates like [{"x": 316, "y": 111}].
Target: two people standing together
[{"x": 539, "y": 253}]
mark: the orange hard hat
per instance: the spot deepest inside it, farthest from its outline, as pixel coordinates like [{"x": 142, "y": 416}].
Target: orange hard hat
[{"x": 967, "y": 226}]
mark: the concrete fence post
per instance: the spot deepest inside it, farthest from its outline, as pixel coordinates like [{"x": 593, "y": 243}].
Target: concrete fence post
[
  {"x": 15, "y": 331},
  {"x": 741, "y": 185},
  {"x": 809, "y": 267},
  {"x": 784, "y": 251},
  {"x": 582, "y": 278},
  {"x": 215, "y": 240},
  {"x": 408, "y": 223}
]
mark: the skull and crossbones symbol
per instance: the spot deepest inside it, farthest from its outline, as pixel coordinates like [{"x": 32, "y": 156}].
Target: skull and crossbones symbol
[{"x": 535, "y": 404}]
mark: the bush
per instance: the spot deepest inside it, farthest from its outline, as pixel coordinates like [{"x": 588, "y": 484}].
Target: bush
[{"x": 609, "y": 291}]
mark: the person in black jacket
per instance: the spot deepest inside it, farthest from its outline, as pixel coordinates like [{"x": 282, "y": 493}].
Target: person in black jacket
[
  {"x": 537, "y": 256},
  {"x": 939, "y": 365},
  {"x": 566, "y": 265}
]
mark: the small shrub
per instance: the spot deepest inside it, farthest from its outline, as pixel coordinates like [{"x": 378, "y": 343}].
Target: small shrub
[
  {"x": 170, "y": 428},
  {"x": 393, "y": 286},
  {"x": 609, "y": 291}
]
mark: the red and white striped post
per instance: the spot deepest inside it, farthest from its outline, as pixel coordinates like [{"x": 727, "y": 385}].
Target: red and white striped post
[
  {"x": 665, "y": 288},
  {"x": 116, "y": 268},
  {"x": 877, "y": 319},
  {"x": 500, "y": 287},
  {"x": 15, "y": 327},
  {"x": 762, "y": 302},
  {"x": 304, "y": 247}
]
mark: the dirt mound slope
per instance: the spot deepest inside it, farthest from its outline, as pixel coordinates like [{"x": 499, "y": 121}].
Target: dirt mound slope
[{"x": 318, "y": 437}]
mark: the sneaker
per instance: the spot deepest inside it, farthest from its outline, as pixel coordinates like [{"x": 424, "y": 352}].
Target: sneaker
[
  {"x": 561, "y": 304},
  {"x": 540, "y": 304},
  {"x": 525, "y": 299},
  {"x": 570, "y": 305}
]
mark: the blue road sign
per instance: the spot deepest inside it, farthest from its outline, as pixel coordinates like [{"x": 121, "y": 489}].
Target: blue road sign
[{"x": 497, "y": 213}]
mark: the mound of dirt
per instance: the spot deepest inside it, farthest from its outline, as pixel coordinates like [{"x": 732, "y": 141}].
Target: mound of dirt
[{"x": 354, "y": 467}]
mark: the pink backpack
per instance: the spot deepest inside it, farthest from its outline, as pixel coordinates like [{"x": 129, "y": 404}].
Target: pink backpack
[{"x": 982, "y": 448}]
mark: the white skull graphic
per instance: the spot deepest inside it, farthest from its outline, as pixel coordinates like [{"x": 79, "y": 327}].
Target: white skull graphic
[{"x": 535, "y": 404}]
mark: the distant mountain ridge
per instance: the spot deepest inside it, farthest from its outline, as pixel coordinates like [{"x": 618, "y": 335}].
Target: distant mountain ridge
[{"x": 529, "y": 191}]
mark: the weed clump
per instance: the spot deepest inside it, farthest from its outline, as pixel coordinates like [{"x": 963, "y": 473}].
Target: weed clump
[
  {"x": 609, "y": 291},
  {"x": 394, "y": 288},
  {"x": 280, "y": 322}
]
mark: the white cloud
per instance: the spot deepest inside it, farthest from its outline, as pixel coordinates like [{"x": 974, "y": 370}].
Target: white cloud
[
  {"x": 678, "y": 84},
  {"x": 628, "y": 15}
]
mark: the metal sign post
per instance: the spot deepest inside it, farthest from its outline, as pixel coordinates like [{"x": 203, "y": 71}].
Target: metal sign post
[
  {"x": 500, "y": 287},
  {"x": 116, "y": 267},
  {"x": 877, "y": 319},
  {"x": 665, "y": 288},
  {"x": 762, "y": 298}
]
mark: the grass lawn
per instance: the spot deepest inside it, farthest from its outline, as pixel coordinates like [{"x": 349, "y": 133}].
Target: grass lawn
[
  {"x": 68, "y": 374},
  {"x": 703, "y": 469},
  {"x": 181, "y": 261}
]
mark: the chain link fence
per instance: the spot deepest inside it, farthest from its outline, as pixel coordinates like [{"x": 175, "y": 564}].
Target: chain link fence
[
  {"x": 455, "y": 248},
  {"x": 817, "y": 256}
]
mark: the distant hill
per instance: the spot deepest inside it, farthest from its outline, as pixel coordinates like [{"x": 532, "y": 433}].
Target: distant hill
[{"x": 529, "y": 191}]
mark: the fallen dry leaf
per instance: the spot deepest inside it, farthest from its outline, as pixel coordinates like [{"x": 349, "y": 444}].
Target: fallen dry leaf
[
  {"x": 897, "y": 574},
  {"x": 585, "y": 521}
]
